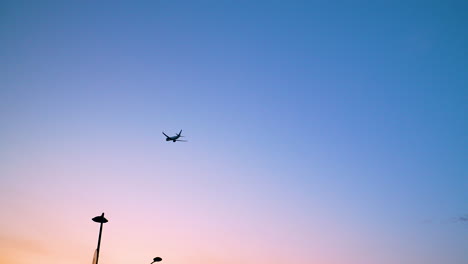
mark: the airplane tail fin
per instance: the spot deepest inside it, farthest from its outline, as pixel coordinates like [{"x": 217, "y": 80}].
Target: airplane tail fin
[{"x": 180, "y": 132}]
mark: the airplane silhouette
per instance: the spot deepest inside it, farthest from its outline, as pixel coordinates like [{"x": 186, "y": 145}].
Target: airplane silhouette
[{"x": 174, "y": 138}]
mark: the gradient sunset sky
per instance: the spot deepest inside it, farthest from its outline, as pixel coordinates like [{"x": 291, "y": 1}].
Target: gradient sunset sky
[{"x": 320, "y": 132}]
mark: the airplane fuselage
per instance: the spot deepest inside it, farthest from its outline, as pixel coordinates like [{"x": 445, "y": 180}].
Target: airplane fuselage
[{"x": 174, "y": 138}]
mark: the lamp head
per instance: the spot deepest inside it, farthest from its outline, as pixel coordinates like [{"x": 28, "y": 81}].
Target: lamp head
[
  {"x": 100, "y": 219},
  {"x": 156, "y": 259}
]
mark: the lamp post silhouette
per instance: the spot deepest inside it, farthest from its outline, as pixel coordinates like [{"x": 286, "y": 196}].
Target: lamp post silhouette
[
  {"x": 99, "y": 219},
  {"x": 156, "y": 259}
]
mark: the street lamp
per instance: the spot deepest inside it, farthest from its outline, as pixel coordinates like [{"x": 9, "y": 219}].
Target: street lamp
[
  {"x": 99, "y": 219},
  {"x": 156, "y": 259}
]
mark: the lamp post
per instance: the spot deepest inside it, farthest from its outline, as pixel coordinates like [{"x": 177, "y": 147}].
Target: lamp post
[
  {"x": 99, "y": 219},
  {"x": 156, "y": 259}
]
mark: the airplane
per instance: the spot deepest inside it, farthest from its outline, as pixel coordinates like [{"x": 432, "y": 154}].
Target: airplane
[{"x": 174, "y": 138}]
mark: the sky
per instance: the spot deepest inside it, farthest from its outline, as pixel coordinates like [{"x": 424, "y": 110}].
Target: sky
[{"x": 319, "y": 132}]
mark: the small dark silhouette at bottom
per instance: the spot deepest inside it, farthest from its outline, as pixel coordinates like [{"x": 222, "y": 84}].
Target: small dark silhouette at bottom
[{"x": 156, "y": 259}]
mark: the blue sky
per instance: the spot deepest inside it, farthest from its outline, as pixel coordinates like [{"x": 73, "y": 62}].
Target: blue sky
[{"x": 355, "y": 107}]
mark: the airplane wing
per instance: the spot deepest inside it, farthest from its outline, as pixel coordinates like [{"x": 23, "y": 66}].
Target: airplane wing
[
  {"x": 165, "y": 134},
  {"x": 181, "y": 140}
]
